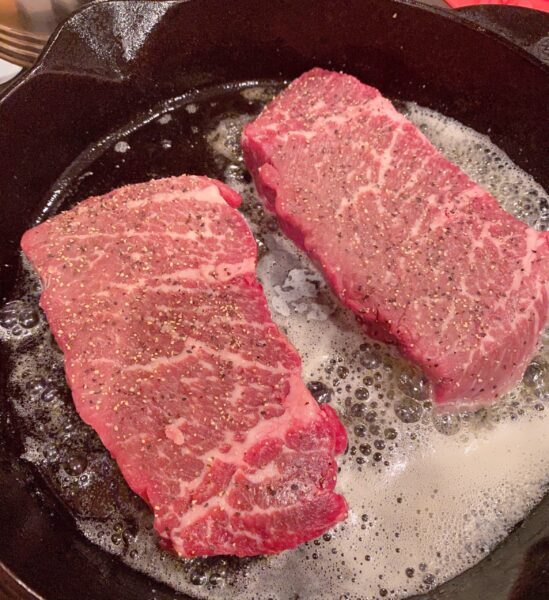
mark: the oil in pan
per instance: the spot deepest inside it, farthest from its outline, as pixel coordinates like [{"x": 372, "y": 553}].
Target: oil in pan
[{"x": 430, "y": 494}]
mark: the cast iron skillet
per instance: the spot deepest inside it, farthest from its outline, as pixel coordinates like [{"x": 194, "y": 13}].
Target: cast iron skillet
[{"x": 114, "y": 61}]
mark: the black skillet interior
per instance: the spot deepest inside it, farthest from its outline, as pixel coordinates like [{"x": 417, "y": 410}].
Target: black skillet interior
[{"x": 115, "y": 61}]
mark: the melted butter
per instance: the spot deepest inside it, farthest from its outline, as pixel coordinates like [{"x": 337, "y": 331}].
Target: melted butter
[{"x": 429, "y": 494}]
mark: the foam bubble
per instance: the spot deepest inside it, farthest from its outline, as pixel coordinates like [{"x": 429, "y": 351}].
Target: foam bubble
[{"x": 121, "y": 147}]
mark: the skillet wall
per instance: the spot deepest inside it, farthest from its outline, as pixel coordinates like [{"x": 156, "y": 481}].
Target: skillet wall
[{"x": 115, "y": 60}]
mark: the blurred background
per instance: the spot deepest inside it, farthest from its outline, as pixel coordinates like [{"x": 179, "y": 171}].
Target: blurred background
[{"x": 25, "y": 26}]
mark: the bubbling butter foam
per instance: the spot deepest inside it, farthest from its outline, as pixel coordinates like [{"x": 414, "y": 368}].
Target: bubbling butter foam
[{"x": 430, "y": 494}]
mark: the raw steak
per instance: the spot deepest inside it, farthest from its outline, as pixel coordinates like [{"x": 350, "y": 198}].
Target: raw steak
[
  {"x": 173, "y": 359},
  {"x": 424, "y": 257}
]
